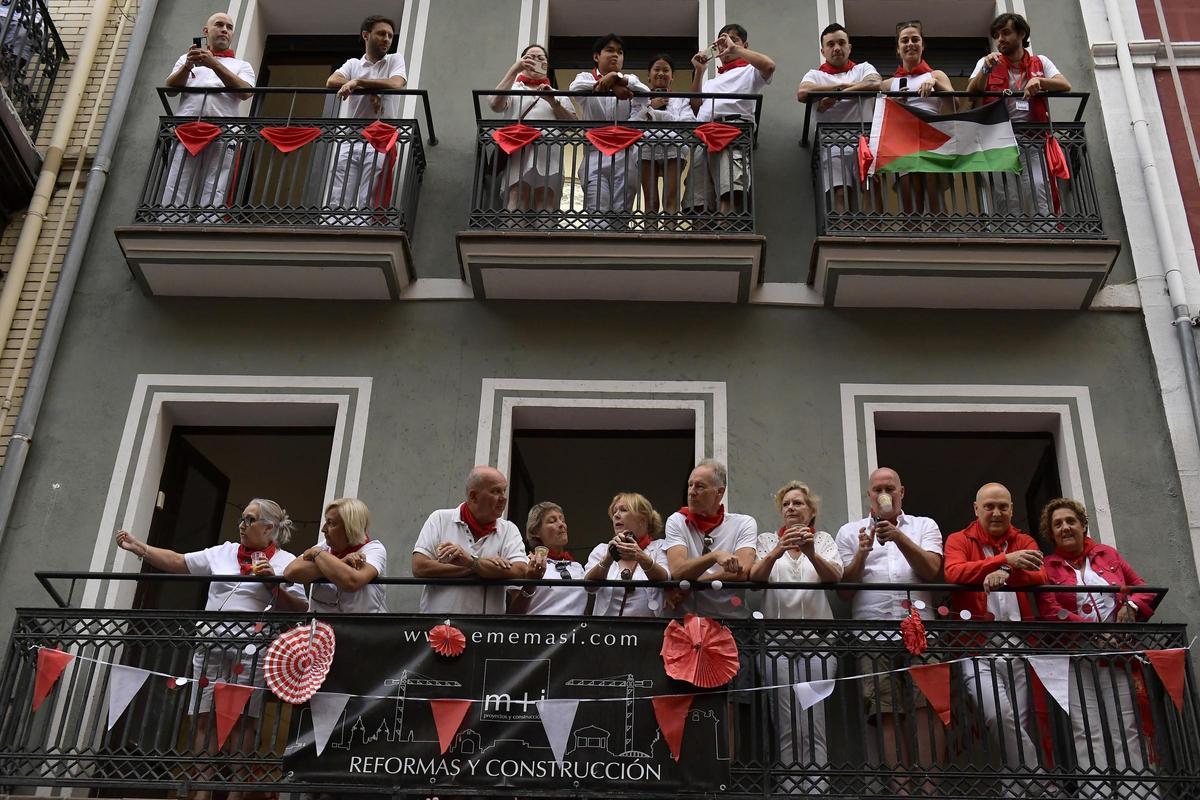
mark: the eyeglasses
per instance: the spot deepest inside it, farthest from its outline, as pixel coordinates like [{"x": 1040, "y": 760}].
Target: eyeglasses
[{"x": 247, "y": 520}]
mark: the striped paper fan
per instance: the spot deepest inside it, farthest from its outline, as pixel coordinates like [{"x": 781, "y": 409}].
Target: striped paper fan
[{"x": 297, "y": 662}]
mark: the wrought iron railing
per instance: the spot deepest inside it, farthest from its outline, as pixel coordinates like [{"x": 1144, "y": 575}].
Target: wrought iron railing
[
  {"x": 1033, "y": 204},
  {"x": 667, "y": 182},
  {"x": 31, "y": 54},
  {"x": 1126, "y": 739},
  {"x": 341, "y": 178}
]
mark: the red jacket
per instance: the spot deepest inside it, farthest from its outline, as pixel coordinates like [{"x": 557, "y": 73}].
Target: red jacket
[
  {"x": 965, "y": 562},
  {"x": 1108, "y": 564}
]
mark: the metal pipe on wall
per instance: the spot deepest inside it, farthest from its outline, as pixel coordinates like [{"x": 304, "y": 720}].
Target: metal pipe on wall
[{"x": 35, "y": 392}]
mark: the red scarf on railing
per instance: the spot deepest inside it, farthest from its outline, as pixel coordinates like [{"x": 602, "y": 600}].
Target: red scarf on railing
[
  {"x": 543, "y": 81},
  {"x": 829, "y": 69},
  {"x": 1031, "y": 67},
  {"x": 477, "y": 530},
  {"x": 1076, "y": 560},
  {"x": 920, "y": 69},
  {"x": 702, "y": 523},
  {"x": 245, "y": 556},
  {"x": 735, "y": 64},
  {"x": 352, "y": 549}
]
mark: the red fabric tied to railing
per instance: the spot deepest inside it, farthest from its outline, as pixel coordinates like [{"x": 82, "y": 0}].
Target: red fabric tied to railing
[
  {"x": 381, "y": 136},
  {"x": 290, "y": 138},
  {"x": 613, "y": 139},
  {"x": 716, "y": 135},
  {"x": 512, "y": 138},
  {"x": 865, "y": 158},
  {"x": 195, "y": 136}
]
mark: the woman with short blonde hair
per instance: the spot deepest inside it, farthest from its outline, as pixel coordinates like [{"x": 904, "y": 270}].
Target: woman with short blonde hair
[
  {"x": 636, "y": 553},
  {"x": 343, "y": 568},
  {"x": 546, "y": 532}
]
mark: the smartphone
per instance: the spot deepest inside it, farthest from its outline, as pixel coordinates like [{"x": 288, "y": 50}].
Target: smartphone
[
  {"x": 540, "y": 67},
  {"x": 200, "y": 41},
  {"x": 711, "y": 52}
]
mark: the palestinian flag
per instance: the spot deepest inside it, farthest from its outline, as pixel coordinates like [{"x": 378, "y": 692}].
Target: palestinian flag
[{"x": 905, "y": 139}]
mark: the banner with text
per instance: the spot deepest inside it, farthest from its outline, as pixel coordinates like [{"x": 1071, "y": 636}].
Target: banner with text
[{"x": 387, "y": 733}]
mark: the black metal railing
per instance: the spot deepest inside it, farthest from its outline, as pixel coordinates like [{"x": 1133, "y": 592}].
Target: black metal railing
[
  {"x": 340, "y": 178},
  {"x": 1032, "y": 204},
  {"x": 874, "y": 736},
  {"x": 666, "y": 182},
  {"x": 31, "y": 54}
]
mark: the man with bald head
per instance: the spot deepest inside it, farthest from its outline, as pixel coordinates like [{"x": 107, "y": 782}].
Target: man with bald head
[
  {"x": 991, "y": 552},
  {"x": 471, "y": 539},
  {"x": 203, "y": 179}
]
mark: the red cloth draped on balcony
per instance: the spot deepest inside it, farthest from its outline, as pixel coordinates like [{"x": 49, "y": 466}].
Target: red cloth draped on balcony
[
  {"x": 290, "y": 138},
  {"x": 716, "y": 135},
  {"x": 1056, "y": 165},
  {"x": 512, "y": 138},
  {"x": 865, "y": 158},
  {"x": 613, "y": 139},
  {"x": 197, "y": 135},
  {"x": 382, "y": 137}
]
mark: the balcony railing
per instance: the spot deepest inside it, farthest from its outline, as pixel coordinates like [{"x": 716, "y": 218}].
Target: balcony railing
[
  {"x": 31, "y": 54},
  {"x": 1029, "y": 205},
  {"x": 836, "y": 749}
]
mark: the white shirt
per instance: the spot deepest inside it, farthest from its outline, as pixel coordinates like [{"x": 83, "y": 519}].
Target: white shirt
[
  {"x": 736, "y": 532},
  {"x": 559, "y": 600},
  {"x": 327, "y": 598},
  {"x": 886, "y": 564},
  {"x": 678, "y": 109},
  {"x": 739, "y": 80},
  {"x": 852, "y": 109},
  {"x": 932, "y": 105},
  {"x": 224, "y": 104},
  {"x": 229, "y": 596},
  {"x": 640, "y": 602},
  {"x": 446, "y": 525},
  {"x": 359, "y": 106},
  {"x": 601, "y": 107},
  {"x": 1018, "y": 107},
  {"x": 538, "y": 107},
  {"x": 798, "y": 603},
  {"x": 1103, "y": 605}
]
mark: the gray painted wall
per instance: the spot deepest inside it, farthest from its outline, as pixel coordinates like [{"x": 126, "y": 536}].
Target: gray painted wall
[{"x": 783, "y": 367}]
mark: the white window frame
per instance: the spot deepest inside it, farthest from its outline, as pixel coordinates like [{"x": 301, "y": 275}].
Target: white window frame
[{"x": 534, "y": 22}]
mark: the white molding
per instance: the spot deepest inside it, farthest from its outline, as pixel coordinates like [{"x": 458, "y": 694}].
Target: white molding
[
  {"x": 417, "y": 56},
  {"x": 524, "y": 24}
]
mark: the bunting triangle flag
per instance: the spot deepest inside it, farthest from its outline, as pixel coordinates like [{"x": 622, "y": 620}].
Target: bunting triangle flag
[
  {"x": 934, "y": 682},
  {"x": 195, "y": 136},
  {"x": 557, "y": 718},
  {"x": 230, "y": 700},
  {"x": 448, "y": 716},
  {"x": 123, "y": 683},
  {"x": 906, "y": 139},
  {"x": 1169, "y": 664},
  {"x": 290, "y": 138},
  {"x": 612, "y": 139},
  {"x": 809, "y": 693},
  {"x": 50, "y": 666},
  {"x": 1054, "y": 672},
  {"x": 326, "y": 709},
  {"x": 671, "y": 712}
]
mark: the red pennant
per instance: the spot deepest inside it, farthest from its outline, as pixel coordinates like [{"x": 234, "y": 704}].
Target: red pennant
[
  {"x": 934, "y": 682},
  {"x": 195, "y": 136},
  {"x": 613, "y": 139},
  {"x": 50, "y": 666},
  {"x": 512, "y": 138},
  {"x": 291, "y": 138},
  {"x": 381, "y": 135},
  {"x": 865, "y": 158},
  {"x": 716, "y": 135},
  {"x": 671, "y": 713},
  {"x": 912, "y": 628},
  {"x": 1169, "y": 666},
  {"x": 229, "y": 700},
  {"x": 448, "y": 716}
]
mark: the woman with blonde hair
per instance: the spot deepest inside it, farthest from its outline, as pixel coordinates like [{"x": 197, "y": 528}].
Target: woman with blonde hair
[
  {"x": 636, "y": 553},
  {"x": 546, "y": 531},
  {"x": 343, "y": 568}
]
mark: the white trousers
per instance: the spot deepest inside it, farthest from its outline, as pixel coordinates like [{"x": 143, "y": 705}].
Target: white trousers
[
  {"x": 199, "y": 181},
  {"x": 1027, "y": 194},
  {"x": 354, "y": 184},
  {"x": 802, "y": 735},
  {"x": 1104, "y": 726},
  {"x": 611, "y": 183},
  {"x": 1006, "y": 720}
]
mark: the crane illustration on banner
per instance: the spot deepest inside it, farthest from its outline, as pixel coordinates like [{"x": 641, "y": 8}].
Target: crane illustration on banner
[
  {"x": 630, "y": 684},
  {"x": 409, "y": 678}
]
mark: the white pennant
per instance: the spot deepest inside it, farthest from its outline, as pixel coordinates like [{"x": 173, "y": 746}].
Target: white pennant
[
  {"x": 123, "y": 683},
  {"x": 1054, "y": 673},
  {"x": 810, "y": 693},
  {"x": 326, "y": 708},
  {"x": 557, "y": 718}
]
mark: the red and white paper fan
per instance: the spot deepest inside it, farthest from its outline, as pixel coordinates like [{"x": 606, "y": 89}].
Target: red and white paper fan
[
  {"x": 297, "y": 662},
  {"x": 700, "y": 651}
]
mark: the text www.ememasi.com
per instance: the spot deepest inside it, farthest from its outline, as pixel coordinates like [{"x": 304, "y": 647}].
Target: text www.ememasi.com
[{"x": 539, "y": 638}]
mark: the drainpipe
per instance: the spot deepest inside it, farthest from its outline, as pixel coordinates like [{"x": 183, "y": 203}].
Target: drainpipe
[
  {"x": 35, "y": 392},
  {"x": 1172, "y": 272}
]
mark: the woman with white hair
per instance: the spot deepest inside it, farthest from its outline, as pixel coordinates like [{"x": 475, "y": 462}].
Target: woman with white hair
[
  {"x": 345, "y": 566},
  {"x": 546, "y": 531}
]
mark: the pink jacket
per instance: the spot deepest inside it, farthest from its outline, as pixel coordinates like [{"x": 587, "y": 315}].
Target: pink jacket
[{"x": 1108, "y": 564}]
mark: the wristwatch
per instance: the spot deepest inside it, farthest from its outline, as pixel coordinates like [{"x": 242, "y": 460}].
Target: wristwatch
[
  {"x": 474, "y": 565},
  {"x": 1132, "y": 605},
  {"x": 1005, "y": 568}
]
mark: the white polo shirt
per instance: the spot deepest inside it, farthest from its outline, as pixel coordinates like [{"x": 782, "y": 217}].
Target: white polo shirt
[
  {"x": 641, "y": 601},
  {"x": 739, "y": 80},
  {"x": 559, "y": 600},
  {"x": 736, "y": 531},
  {"x": 606, "y": 107},
  {"x": 359, "y": 105},
  {"x": 327, "y": 598},
  {"x": 447, "y": 525},
  {"x": 224, "y": 104},
  {"x": 886, "y": 564},
  {"x": 852, "y": 109},
  {"x": 229, "y": 596},
  {"x": 1018, "y": 107}
]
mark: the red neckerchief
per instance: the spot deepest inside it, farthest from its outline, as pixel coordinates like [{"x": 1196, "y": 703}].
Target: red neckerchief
[
  {"x": 245, "y": 556},
  {"x": 1076, "y": 560},
  {"x": 977, "y": 532},
  {"x": 560, "y": 555},
  {"x": 919, "y": 69},
  {"x": 830, "y": 70},
  {"x": 735, "y": 64},
  {"x": 644, "y": 540},
  {"x": 704, "y": 524},
  {"x": 223, "y": 53},
  {"x": 477, "y": 530},
  {"x": 543, "y": 81},
  {"x": 348, "y": 550},
  {"x": 1031, "y": 67}
]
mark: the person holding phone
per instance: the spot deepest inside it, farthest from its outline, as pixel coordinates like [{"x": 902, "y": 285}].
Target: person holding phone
[
  {"x": 533, "y": 179},
  {"x": 546, "y": 531},
  {"x": 635, "y": 553},
  {"x": 661, "y": 160},
  {"x": 203, "y": 180}
]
